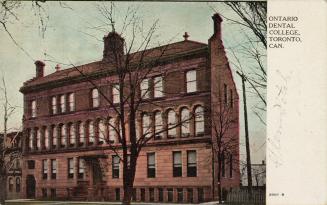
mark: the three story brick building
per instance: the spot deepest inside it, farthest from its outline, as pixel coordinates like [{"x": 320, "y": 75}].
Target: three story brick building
[{"x": 67, "y": 140}]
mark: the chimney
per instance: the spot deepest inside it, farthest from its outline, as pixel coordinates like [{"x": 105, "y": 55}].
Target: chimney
[
  {"x": 57, "y": 67},
  {"x": 113, "y": 47},
  {"x": 39, "y": 65},
  {"x": 217, "y": 24}
]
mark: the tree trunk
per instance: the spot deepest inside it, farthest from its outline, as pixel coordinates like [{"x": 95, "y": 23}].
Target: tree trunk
[{"x": 3, "y": 189}]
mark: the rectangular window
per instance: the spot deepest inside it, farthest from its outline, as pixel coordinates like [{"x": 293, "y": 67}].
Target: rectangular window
[
  {"x": 115, "y": 93},
  {"x": 230, "y": 166},
  {"x": 151, "y": 194},
  {"x": 190, "y": 195},
  {"x": 158, "y": 125},
  {"x": 95, "y": 98},
  {"x": 179, "y": 195},
  {"x": 170, "y": 194},
  {"x": 53, "y": 169},
  {"x": 191, "y": 163},
  {"x": 31, "y": 140},
  {"x": 191, "y": 81},
  {"x": 62, "y": 103},
  {"x": 160, "y": 193},
  {"x": 177, "y": 164},
  {"x": 151, "y": 165},
  {"x": 158, "y": 87},
  {"x": 142, "y": 194},
  {"x": 70, "y": 164},
  {"x": 115, "y": 166},
  {"x": 117, "y": 193},
  {"x": 31, "y": 164},
  {"x": 54, "y": 105},
  {"x": 145, "y": 92},
  {"x": 33, "y": 108},
  {"x": 200, "y": 195},
  {"x": 112, "y": 130},
  {"x": 71, "y": 102},
  {"x": 81, "y": 168},
  {"x": 225, "y": 94},
  {"x": 45, "y": 169}
]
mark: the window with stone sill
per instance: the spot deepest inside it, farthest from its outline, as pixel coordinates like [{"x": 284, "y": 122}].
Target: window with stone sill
[
  {"x": 63, "y": 136},
  {"x": 38, "y": 139},
  {"x": 81, "y": 133},
  {"x": 171, "y": 123},
  {"x": 146, "y": 128},
  {"x": 53, "y": 169},
  {"x": 191, "y": 164},
  {"x": 191, "y": 84},
  {"x": 70, "y": 163},
  {"x": 115, "y": 93},
  {"x": 81, "y": 168},
  {"x": 102, "y": 131},
  {"x": 91, "y": 132},
  {"x": 46, "y": 138},
  {"x": 115, "y": 166},
  {"x": 71, "y": 102},
  {"x": 72, "y": 135},
  {"x": 45, "y": 169},
  {"x": 62, "y": 103},
  {"x": 158, "y": 87},
  {"x": 33, "y": 108},
  {"x": 95, "y": 98},
  {"x": 158, "y": 125},
  {"x": 54, "y": 105},
  {"x": 185, "y": 122},
  {"x": 199, "y": 120},
  {"x": 151, "y": 165},
  {"x": 54, "y": 136},
  {"x": 145, "y": 91},
  {"x": 177, "y": 164},
  {"x": 112, "y": 130}
]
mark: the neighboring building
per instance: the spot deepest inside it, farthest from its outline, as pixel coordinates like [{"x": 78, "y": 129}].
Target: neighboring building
[
  {"x": 14, "y": 172},
  {"x": 64, "y": 116},
  {"x": 258, "y": 175}
]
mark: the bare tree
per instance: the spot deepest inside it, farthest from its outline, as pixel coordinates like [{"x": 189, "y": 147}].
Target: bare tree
[
  {"x": 133, "y": 65},
  {"x": 8, "y": 156},
  {"x": 225, "y": 144}
]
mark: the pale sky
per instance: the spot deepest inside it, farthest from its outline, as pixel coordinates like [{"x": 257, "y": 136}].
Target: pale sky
[{"x": 67, "y": 39}]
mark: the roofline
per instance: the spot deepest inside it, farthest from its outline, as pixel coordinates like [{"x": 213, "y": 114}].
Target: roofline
[{"x": 103, "y": 73}]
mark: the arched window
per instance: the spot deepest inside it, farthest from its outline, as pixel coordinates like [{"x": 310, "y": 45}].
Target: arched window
[
  {"x": 72, "y": 135},
  {"x": 17, "y": 184},
  {"x": 46, "y": 138},
  {"x": 146, "y": 131},
  {"x": 112, "y": 131},
  {"x": 102, "y": 131},
  {"x": 171, "y": 122},
  {"x": 199, "y": 120},
  {"x": 11, "y": 184},
  {"x": 54, "y": 136},
  {"x": 38, "y": 139},
  {"x": 95, "y": 98},
  {"x": 158, "y": 125},
  {"x": 185, "y": 122},
  {"x": 63, "y": 135},
  {"x": 81, "y": 133},
  {"x": 31, "y": 139},
  {"x": 91, "y": 132}
]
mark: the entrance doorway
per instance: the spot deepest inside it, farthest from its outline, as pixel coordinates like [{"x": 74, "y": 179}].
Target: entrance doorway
[{"x": 30, "y": 187}]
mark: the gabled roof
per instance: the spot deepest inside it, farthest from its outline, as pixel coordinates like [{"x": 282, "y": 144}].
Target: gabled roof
[{"x": 162, "y": 52}]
